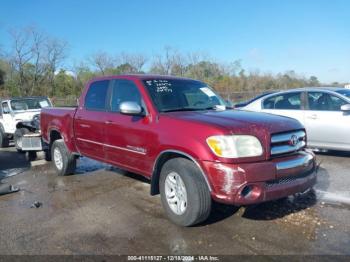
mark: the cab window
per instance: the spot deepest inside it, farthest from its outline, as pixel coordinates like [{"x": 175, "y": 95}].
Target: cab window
[
  {"x": 96, "y": 96},
  {"x": 287, "y": 101},
  {"x": 5, "y": 108},
  {"x": 321, "y": 101},
  {"x": 124, "y": 91}
]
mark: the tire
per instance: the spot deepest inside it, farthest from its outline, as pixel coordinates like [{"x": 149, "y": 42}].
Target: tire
[
  {"x": 17, "y": 137},
  {"x": 197, "y": 195},
  {"x": 32, "y": 155},
  {"x": 47, "y": 155},
  {"x": 63, "y": 161},
  {"x": 4, "y": 140}
]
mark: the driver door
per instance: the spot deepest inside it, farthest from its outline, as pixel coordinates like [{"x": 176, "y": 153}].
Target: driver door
[
  {"x": 129, "y": 138},
  {"x": 8, "y": 122},
  {"x": 326, "y": 125}
]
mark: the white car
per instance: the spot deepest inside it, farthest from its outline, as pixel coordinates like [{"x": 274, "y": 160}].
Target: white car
[
  {"x": 324, "y": 111},
  {"x": 16, "y": 110}
]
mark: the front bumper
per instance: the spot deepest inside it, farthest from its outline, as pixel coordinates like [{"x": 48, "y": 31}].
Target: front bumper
[{"x": 251, "y": 183}]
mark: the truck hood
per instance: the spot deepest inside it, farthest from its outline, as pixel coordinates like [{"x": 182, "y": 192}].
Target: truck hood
[
  {"x": 26, "y": 115},
  {"x": 236, "y": 121}
]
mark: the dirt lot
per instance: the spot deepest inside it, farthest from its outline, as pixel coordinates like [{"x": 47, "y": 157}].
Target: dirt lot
[{"x": 102, "y": 210}]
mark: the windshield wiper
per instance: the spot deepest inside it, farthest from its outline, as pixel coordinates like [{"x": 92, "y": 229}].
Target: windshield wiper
[{"x": 217, "y": 107}]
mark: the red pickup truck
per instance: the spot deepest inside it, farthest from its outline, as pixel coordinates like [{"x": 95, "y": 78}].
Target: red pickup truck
[{"x": 180, "y": 134}]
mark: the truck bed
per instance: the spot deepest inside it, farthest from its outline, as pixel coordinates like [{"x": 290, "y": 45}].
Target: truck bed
[{"x": 59, "y": 118}]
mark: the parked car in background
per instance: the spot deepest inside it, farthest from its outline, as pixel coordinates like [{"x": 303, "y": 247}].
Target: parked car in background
[
  {"x": 245, "y": 103},
  {"x": 179, "y": 134},
  {"x": 17, "y": 115},
  {"x": 324, "y": 111}
]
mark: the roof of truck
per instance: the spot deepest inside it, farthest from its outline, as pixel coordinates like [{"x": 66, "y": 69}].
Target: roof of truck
[{"x": 141, "y": 77}]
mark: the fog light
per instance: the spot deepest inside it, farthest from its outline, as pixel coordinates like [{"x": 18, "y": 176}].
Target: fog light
[
  {"x": 246, "y": 191},
  {"x": 251, "y": 192}
]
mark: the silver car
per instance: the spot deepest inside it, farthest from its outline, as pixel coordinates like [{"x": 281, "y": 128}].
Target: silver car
[{"x": 324, "y": 111}]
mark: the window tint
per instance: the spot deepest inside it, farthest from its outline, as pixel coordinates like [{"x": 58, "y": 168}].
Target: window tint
[
  {"x": 320, "y": 101},
  {"x": 95, "y": 98},
  {"x": 124, "y": 91},
  {"x": 291, "y": 101}
]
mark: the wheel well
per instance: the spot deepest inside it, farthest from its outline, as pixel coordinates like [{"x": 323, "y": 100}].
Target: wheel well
[
  {"x": 21, "y": 125},
  {"x": 54, "y": 135},
  {"x": 158, "y": 167}
]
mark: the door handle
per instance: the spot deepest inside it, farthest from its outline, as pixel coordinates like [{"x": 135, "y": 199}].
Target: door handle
[
  {"x": 108, "y": 122},
  {"x": 314, "y": 116}
]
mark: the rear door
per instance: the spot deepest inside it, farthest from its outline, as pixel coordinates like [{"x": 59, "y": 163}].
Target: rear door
[
  {"x": 285, "y": 104},
  {"x": 326, "y": 125},
  {"x": 89, "y": 122}
]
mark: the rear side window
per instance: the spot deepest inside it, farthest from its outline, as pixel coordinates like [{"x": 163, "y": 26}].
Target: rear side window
[
  {"x": 96, "y": 96},
  {"x": 288, "y": 101},
  {"x": 124, "y": 91}
]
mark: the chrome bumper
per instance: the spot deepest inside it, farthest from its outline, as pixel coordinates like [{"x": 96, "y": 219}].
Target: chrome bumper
[{"x": 303, "y": 161}]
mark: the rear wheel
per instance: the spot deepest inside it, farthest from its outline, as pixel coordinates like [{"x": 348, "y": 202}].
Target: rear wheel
[
  {"x": 63, "y": 160},
  {"x": 184, "y": 192},
  {"x": 18, "y": 136}
]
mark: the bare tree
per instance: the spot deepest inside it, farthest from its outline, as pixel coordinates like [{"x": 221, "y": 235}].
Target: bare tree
[
  {"x": 102, "y": 61},
  {"x": 34, "y": 58},
  {"x": 55, "y": 53},
  {"x": 171, "y": 62},
  {"x": 135, "y": 61}
]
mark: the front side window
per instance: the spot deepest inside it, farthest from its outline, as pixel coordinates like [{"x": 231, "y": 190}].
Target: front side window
[
  {"x": 96, "y": 96},
  {"x": 182, "y": 95},
  {"x": 29, "y": 103},
  {"x": 287, "y": 101},
  {"x": 5, "y": 108},
  {"x": 124, "y": 91},
  {"x": 320, "y": 101}
]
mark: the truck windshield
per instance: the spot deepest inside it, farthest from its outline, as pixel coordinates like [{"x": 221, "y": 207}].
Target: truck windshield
[
  {"x": 29, "y": 103},
  {"x": 182, "y": 95}
]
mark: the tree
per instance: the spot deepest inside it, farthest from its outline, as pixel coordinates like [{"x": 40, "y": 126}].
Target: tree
[
  {"x": 55, "y": 53},
  {"x": 102, "y": 61},
  {"x": 34, "y": 58},
  {"x": 313, "y": 81},
  {"x": 135, "y": 62}
]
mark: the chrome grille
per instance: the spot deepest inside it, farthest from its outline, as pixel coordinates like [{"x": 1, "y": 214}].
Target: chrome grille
[{"x": 289, "y": 142}]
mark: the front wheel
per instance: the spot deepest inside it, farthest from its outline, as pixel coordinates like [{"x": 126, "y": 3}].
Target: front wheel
[
  {"x": 4, "y": 141},
  {"x": 184, "y": 192},
  {"x": 64, "y": 161}
]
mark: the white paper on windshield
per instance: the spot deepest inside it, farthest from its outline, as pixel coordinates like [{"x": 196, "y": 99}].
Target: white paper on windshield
[
  {"x": 44, "y": 103},
  {"x": 207, "y": 91}
]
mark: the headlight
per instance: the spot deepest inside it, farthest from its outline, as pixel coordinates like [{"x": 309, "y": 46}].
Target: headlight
[{"x": 235, "y": 146}]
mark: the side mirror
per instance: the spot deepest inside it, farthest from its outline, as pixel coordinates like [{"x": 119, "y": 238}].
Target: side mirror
[
  {"x": 345, "y": 108},
  {"x": 130, "y": 108}
]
